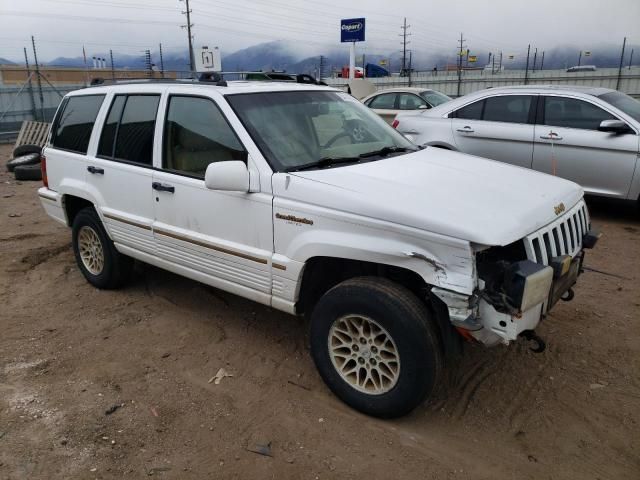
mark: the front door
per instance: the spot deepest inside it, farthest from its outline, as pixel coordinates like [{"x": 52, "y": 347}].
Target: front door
[
  {"x": 500, "y": 128},
  {"x": 569, "y": 145},
  {"x": 221, "y": 238}
]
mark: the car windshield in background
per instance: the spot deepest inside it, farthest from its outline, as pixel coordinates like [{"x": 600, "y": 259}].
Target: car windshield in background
[
  {"x": 624, "y": 102},
  {"x": 434, "y": 98},
  {"x": 315, "y": 129}
]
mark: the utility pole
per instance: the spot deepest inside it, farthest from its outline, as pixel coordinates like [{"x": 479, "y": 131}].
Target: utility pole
[
  {"x": 410, "y": 66},
  {"x": 500, "y": 64},
  {"x": 35, "y": 58},
  {"x": 147, "y": 63},
  {"x": 404, "y": 36},
  {"x": 188, "y": 27},
  {"x": 460, "y": 62},
  {"x": 161, "y": 63},
  {"x": 29, "y": 85},
  {"x": 535, "y": 57},
  {"x": 526, "y": 71},
  {"x": 113, "y": 72},
  {"x": 580, "y": 58},
  {"x": 493, "y": 65},
  {"x": 624, "y": 44},
  {"x": 321, "y": 69},
  {"x": 542, "y": 61},
  {"x": 631, "y": 59}
]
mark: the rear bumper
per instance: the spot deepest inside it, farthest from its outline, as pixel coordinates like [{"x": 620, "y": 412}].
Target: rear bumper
[{"x": 51, "y": 201}]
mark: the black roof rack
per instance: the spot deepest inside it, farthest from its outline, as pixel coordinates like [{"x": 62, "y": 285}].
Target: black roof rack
[{"x": 216, "y": 78}]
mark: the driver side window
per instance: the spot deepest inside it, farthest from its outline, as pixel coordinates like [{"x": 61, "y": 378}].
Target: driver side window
[
  {"x": 386, "y": 101},
  {"x": 409, "y": 101},
  {"x": 196, "y": 134}
]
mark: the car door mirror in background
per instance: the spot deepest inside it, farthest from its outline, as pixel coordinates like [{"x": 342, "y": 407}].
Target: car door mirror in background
[
  {"x": 231, "y": 176},
  {"x": 423, "y": 107},
  {"x": 614, "y": 126}
]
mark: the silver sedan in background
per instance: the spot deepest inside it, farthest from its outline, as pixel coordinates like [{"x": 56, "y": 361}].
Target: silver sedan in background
[
  {"x": 588, "y": 135},
  {"x": 389, "y": 102}
]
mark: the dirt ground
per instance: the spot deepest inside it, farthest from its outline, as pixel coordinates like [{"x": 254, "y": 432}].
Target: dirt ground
[{"x": 69, "y": 353}]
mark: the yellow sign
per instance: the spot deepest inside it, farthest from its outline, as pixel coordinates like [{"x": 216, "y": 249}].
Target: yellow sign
[
  {"x": 382, "y": 62},
  {"x": 473, "y": 58}
]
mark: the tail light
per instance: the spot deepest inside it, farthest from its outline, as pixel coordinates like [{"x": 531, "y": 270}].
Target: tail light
[
  {"x": 43, "y": 167},
  {"x": 395, "y": 123}
]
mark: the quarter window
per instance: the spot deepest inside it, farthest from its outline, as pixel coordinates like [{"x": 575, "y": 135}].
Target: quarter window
[
  {"x": 72, "y": 130},
  {"x": 386, "y": 101},
  {"x": 196, "y": 134},
  {"x": 573, "y": 113},
  {"x": 507, "y": 108}
]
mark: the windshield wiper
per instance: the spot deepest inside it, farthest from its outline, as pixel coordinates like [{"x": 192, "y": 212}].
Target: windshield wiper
[
  {"x": 323, "y": 163},
  {"x": 385, "y": 151}
]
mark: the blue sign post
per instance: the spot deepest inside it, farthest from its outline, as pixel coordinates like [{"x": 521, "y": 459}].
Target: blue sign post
[{"x": 352, "y": 30}]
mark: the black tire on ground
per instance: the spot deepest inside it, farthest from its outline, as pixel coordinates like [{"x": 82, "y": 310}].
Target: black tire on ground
[
  {"x": 407, "y": 322},
  {"x": 24, "y": 149},
  {"x": 27, "y": 172},
  {"x": 115, "y": 268},
  {"x": 26, "y": 159}
]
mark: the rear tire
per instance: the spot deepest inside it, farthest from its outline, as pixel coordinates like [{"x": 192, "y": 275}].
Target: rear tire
[
  {"x": 99, "y": 261},
  {"x": 376, "y": 346}
]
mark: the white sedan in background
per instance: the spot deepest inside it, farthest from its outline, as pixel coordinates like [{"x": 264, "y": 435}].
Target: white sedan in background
[
  {"x": 588, "y": 135},
  {"x": 388, "y": 103}
]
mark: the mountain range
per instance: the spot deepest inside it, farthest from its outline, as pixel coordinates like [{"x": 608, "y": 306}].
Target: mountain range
[{"x": 281, "y": 55}]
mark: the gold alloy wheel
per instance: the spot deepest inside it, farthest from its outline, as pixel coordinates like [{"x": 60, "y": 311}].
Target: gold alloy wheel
[
  {"x": 364, "y": 354},
  {"x": 91, "y": 251}
]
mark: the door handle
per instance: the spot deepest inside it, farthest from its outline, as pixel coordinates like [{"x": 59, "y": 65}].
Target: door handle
[
  {"x": 551, "y": 136},
  {"x": 465, "y": 130},
  {"x": 95, "y": 170},
  {"x": 161, "y": 187}
]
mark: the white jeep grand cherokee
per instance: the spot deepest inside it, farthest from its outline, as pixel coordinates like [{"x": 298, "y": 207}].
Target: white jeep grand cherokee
[{"x": 301, "y": 198}]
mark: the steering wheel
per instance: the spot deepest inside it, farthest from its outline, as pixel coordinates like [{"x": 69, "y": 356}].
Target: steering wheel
[{"x": 354, "y": 130}]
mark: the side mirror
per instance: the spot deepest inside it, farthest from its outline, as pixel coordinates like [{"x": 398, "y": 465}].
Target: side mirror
[
  {"x": 614, "y": 126},
  {"x": 423, "y": 107},
  {"x": 230, "y": 176}
]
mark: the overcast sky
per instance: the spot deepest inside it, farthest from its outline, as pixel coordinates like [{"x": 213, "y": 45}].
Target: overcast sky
[{"x": 62, "y": 27}]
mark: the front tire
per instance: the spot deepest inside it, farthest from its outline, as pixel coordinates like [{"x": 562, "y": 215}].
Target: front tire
[
  {"x": 99, "y": 261},
  {"x": 376, "y": 346}
]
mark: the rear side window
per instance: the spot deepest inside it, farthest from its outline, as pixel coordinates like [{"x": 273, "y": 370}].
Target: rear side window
[
  {"x": 128, "y": 130},
  {"x": 386, "y": 101},
  {"x": 409, "y": 101},
  {"x": 573, "y": 113},
  {"x": 507, "y": 108},
  {"x": 72, "y": 130},
  {"x": 472, "y": 111},
  {"x": 196, "y": 134}
]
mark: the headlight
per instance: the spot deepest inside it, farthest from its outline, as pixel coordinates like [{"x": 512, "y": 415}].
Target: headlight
[{"x": 527, "y": 284}]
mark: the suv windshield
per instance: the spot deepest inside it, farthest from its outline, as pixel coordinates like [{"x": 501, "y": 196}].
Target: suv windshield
[
  {"x": 315, "y": 129},
  {"x": 624, "y": 102},
  {"x": 434, "y": 98}
]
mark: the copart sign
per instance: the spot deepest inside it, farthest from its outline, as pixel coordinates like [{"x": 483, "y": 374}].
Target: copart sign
[{"x": 352, "y": 30}]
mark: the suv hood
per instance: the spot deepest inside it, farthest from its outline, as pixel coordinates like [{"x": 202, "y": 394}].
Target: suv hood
[{"x": 449, "y": 193}]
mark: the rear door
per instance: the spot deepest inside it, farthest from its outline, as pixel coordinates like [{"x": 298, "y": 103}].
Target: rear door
[
  {"x": 569, "y": 145},
  {"x": 498, "y": 127},
  {"x": 385, "y": 105},
  {"x": 119, "y": 173}
]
